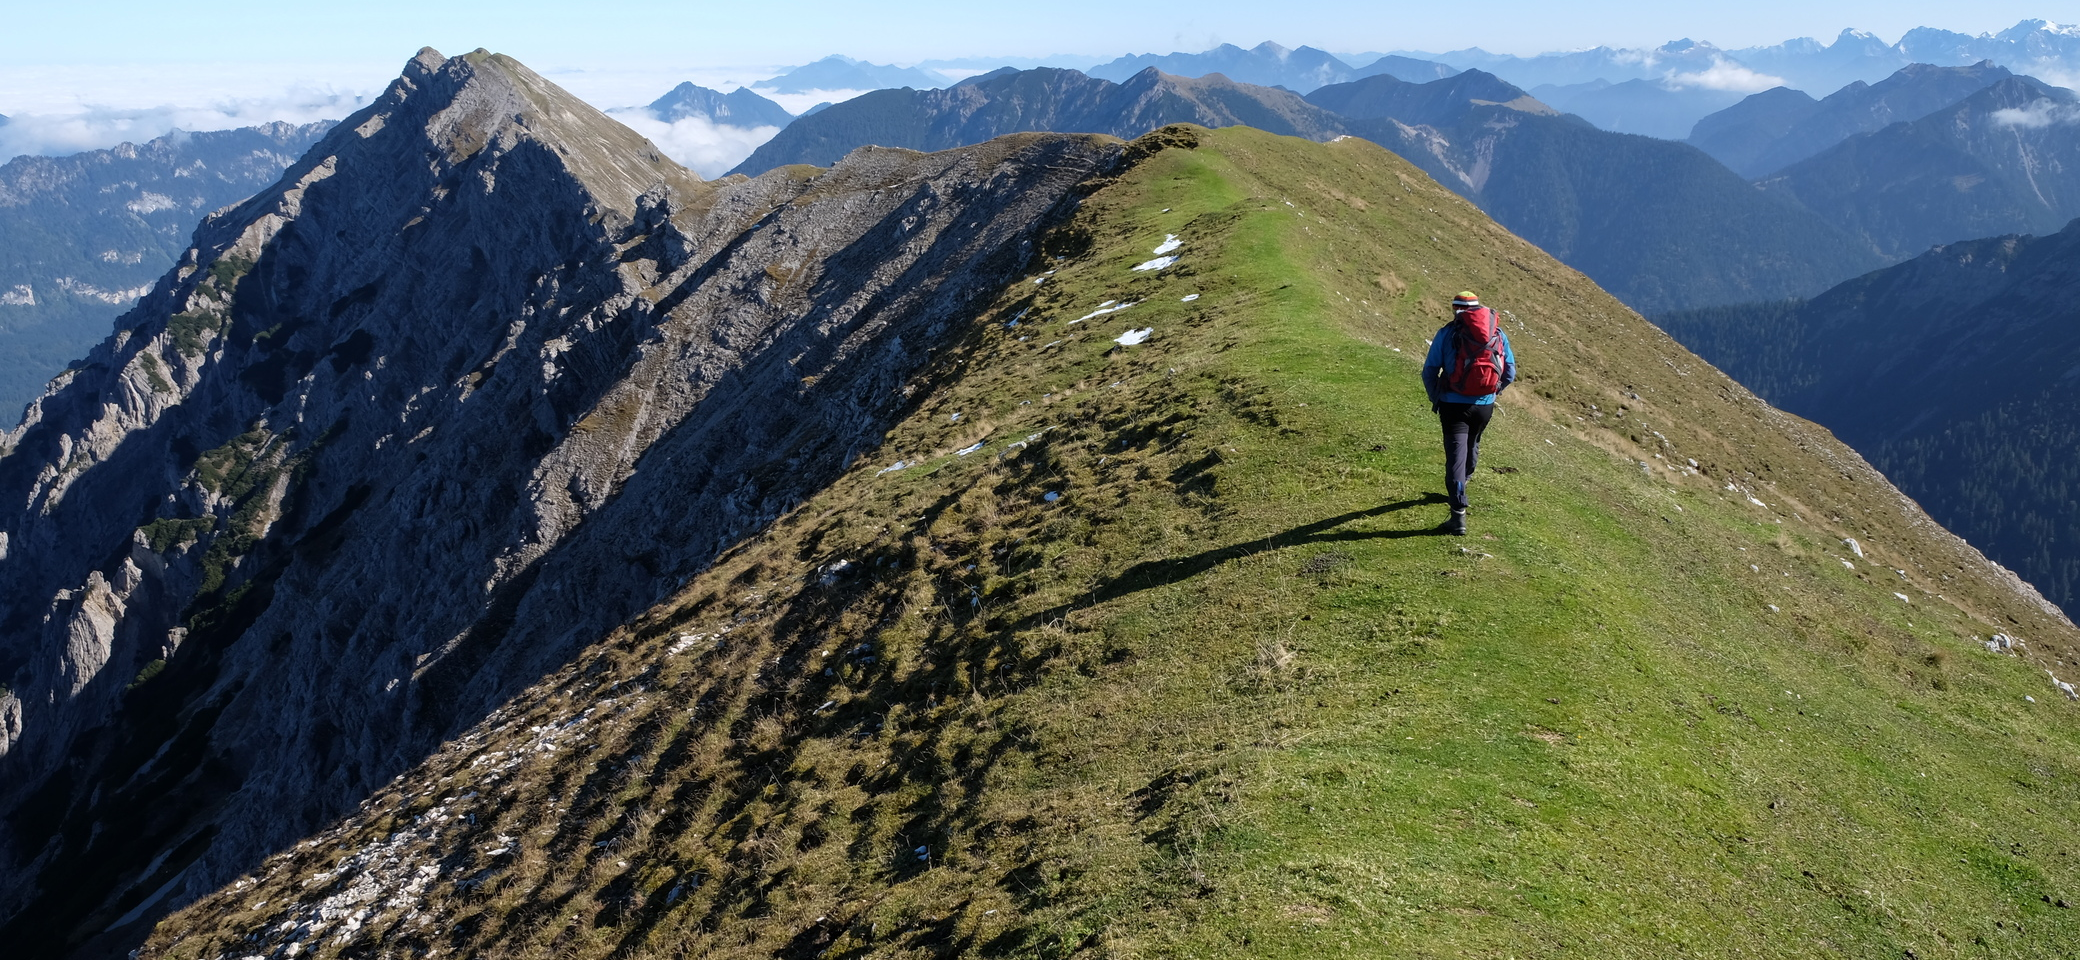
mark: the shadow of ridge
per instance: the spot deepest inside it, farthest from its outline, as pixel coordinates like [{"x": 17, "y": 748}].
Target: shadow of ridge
[{"x": 1150, "y": 574}]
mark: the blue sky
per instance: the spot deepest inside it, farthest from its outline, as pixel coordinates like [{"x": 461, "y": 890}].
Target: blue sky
[
  {"x": 87, "y": 74},
  {"x": 579, "y": 33}
]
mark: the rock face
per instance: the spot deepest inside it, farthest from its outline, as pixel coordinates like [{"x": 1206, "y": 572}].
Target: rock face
[
  {"x": 87, "y": 234},
  {"x": 481, "y": 376}
]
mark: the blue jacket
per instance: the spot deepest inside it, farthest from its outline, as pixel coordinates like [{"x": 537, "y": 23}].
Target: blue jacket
[{"x": 1434, "y": 368}]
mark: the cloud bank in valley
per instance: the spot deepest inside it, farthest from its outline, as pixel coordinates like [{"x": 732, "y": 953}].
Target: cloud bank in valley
[
  {"x": 707, "y": 148},
  {"x": 98, "y": 128}
]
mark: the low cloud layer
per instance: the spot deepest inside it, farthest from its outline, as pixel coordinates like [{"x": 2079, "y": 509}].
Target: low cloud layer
[
  {"x": 98, "y": 128},
  {"x": 2038, "y": 114},
  {"x": 707, "y": 148},
  {"x": 1727, "y": 75}
]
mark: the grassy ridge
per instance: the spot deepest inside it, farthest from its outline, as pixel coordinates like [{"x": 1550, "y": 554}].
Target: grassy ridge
[{"x": 1226, "y": 693}]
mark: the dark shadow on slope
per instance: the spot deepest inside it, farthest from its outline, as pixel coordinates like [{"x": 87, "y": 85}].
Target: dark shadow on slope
[{"x": 1158, "y": 573}]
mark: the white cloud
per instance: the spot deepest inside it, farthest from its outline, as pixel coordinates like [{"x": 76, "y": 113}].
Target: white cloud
[
  {"x": 2038, "y": 114},
  {"x": 709, "y": 149},
  {"x": 795, "y": 103},
  {"x": 1728, "y": 75},
  {"x": 100, "y": 127}
]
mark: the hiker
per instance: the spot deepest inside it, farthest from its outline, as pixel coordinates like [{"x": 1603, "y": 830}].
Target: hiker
[{"x": 1470, "y": 362}]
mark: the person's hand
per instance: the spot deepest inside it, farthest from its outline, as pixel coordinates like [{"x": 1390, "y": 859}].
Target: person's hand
[{"x": 1436, "y": 407}]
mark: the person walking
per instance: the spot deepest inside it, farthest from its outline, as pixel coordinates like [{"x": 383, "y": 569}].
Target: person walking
[{"x": 1470, "y": 363}]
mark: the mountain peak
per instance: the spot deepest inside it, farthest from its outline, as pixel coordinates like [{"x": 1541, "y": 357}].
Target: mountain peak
[{"x": 488, "y": 101}]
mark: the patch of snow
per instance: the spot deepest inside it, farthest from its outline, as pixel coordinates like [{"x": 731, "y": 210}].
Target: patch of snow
[
  {"x": 149, "y": 202},
  {"x": 1132, "y": 337},
  {"x": 1156, "y": 264},
  {"x": 1757, "y": 502},
  {"x": 1902, "y": 598},
  {"x": 1109, "y": 306},
  {"x": 964, "y": 451},
  {"x": 1854, "y": 547},
  {"x": 1170, "y": 243},
  {"x": 1187, "y": 298},
  {"x": 20, "y": 295},
  {"x": 893, "y": 467}
]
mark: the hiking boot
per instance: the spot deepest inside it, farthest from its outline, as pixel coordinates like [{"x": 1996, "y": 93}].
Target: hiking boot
[{"x": 1456, "y": 526}]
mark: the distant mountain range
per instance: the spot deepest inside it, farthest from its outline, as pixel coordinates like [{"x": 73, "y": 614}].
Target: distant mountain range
[
  {"x": 845, "y": 73},
  {"x": 1655, "y": 222},
  {"x": 1653, "y": 108},
  {"x": 737, "y": 108},
  {"x": 1270, "y": 65},
  {"x": 1044, "y": 99},
  {"x": 1778, "y": 127},
  {"x": 2031, "y": 46},
  {"x": 1954, "y": 372},
  {"x": 1658, "y": 223},
  {"x": 2002, "y": 160},
  {"x": 81, "y": 237},
  {"x": 1682, "y": 81}
]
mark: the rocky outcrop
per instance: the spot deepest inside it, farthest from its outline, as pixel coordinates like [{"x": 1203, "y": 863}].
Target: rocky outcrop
[{"x": 482, "y": 376}]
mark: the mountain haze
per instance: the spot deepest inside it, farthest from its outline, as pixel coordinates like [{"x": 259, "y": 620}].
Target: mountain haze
[
  {"x": 845, "y": 73},
  {"x": 1269, "y": 65},
  {"x": 1650, "y": 108}
]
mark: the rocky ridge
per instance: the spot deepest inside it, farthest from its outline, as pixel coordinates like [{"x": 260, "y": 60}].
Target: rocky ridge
[{"x": 483, "y": 375}]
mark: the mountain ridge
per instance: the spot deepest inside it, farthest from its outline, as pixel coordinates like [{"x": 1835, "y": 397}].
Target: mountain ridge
[
  {"x": 326, "y": 390},
  {"x": 1989, "y": 164},
  {"x": 1916, "y": 91},
  {"x": 1135, "y": 633}
]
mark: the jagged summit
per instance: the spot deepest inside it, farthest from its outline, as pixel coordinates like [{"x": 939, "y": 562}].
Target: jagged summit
[
  {"x": 483, "y": 375},
  {"x": 483, "y": 100}
]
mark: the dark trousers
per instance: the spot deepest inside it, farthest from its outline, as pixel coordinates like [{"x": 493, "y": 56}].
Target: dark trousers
[{"x": 1463, "y": 425}]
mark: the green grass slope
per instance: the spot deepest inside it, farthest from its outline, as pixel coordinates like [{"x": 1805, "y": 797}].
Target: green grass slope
[{"x": 1173, "y": 665}]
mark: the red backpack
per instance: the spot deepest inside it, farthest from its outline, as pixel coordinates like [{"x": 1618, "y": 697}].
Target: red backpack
[{"x": 1474, "y": 368}]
